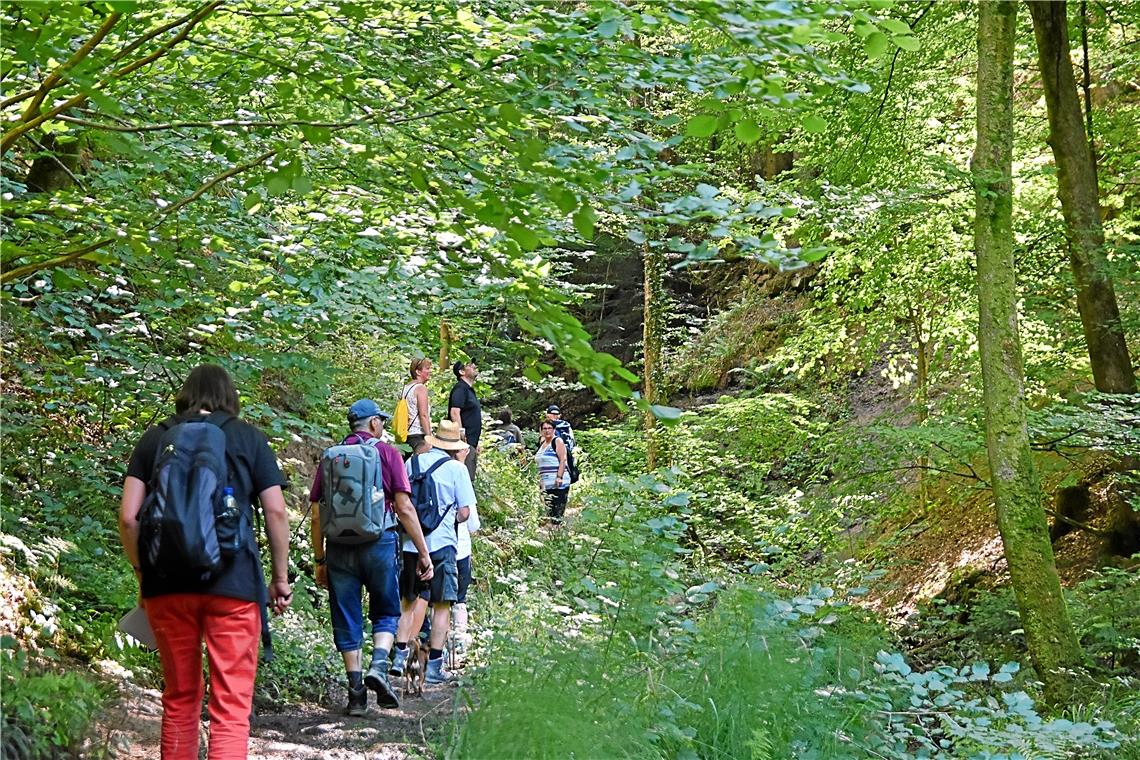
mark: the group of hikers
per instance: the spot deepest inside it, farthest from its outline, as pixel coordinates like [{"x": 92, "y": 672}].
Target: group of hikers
[{"x": 397, "y": 525}]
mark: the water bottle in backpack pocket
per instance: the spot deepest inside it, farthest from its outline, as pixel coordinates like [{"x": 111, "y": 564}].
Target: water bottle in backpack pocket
[
  {"x": 190, "y": 523},
  {"x": 352, "y": 498}
]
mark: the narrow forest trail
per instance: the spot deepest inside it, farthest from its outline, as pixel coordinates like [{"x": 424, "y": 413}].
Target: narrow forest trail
[{"x": 131, "y": 726}]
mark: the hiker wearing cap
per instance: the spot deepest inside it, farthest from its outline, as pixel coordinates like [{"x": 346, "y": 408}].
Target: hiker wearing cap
[
  {"x": 561, "y": 427},
  {"x": 464, "y": 409},
  {"x": 184, "y": 603},
  {"x": 437, "y": 465},
  {"x": 344, "y": 568},
  {"x": 553, "y": 470}
]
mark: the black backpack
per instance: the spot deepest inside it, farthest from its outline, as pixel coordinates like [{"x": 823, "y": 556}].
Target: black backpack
[
  {"x": 571, "y": 465},
  {"x": 187, "y": 528},
  {"x": 424, "y": 496}
]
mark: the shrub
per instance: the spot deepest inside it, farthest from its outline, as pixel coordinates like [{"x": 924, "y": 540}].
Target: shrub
[{"x": 44, "y": 712}]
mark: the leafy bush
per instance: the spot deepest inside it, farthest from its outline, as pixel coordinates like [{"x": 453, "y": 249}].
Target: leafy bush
[
  {"x": 606, "y": 646},
  {"x": 750, "y": 467},
  {"x": 305, "y": 665},
  {"x": 44, "y": 713}
]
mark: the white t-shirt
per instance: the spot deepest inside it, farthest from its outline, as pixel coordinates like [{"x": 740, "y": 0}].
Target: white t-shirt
[
  {"x": 465, "y": 529},
  {"x": 453, "y": 490}
]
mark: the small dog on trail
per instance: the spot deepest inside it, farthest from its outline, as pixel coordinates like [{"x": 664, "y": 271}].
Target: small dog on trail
[{"x": 416, "y": 668}]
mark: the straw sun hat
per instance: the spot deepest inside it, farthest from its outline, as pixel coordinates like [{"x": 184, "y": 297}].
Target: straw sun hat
[{"x": 448, "y": 436}]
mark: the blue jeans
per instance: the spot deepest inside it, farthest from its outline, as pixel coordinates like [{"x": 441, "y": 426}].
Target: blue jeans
[{"x": 353, "y": 567}]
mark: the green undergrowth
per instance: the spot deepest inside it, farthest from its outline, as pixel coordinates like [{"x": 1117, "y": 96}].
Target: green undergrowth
[
  {"x": 45, "y": 712},
  {"x": 752, "y": 468},
  {"x": 608, "y": 641}
]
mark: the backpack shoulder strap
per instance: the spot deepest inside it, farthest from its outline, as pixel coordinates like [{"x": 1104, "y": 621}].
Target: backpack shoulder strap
[{"x": 437, "y": 465}]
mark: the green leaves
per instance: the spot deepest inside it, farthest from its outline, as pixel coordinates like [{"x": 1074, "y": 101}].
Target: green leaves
[
  {"x": 524, "y": 236},
  {"x": 584, "y": 219},
  {"x": 609, "y": 27},
  {"x": 908, "y": 43},
  {"x": 815, "y": 124},
  {"x": 876, "y": 44},
  {"x": 747, "y": 131},
  {"x": 703, "y": 125}
]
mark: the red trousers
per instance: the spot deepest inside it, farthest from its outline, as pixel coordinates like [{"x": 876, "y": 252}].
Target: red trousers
[{"x": 231, "y": 628}]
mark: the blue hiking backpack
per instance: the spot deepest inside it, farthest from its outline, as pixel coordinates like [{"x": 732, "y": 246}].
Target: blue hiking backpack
[
  {"x": 424, "y": 495},
  {"x": 188, "y": 528}
]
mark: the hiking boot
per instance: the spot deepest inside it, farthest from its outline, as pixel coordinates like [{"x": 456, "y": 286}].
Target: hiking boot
[
  {"x": 436, "y": 673},
  {"x": 357, "y": 701},
  {"x": 398, "y": 662},
  {"x": 377, "y": 680}
]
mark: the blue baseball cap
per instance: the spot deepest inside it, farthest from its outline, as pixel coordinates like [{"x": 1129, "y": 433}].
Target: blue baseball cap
[{"x": 365, "y": 408}]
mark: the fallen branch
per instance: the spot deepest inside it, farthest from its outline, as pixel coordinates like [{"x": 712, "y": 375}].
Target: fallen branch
[{"x": 1077, "y": 524}]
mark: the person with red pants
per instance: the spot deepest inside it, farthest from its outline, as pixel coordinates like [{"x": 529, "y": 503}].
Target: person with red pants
[{"x": 224, "y": 611}]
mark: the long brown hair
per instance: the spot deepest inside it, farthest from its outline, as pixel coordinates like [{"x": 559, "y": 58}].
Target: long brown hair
[{"x": 208, "y": 387}]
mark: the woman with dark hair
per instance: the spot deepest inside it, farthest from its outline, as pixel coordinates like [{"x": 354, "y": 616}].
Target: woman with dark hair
[
  {"x": 553, "y": 472},
  {"x": 210, "y": 388},
  {"x": 224, "y": 607}
]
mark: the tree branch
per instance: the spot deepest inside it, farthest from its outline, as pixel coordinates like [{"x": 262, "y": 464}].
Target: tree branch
[
  {"x": 128, "y": 49},
  {"x": 37, "y": 95},
  {"x": 14, "y": 134},
  {"x": 218, "y": 124},
  {"x": 51, "y": 154},
  {"x": 1050, "y": 445},
  {"x": 1077, "y": 523},
  {"x": 68, "y": 256}
]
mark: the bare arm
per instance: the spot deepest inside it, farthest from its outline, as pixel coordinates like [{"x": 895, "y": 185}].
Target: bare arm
[
  {"x": 462, "y": 514},
  {"x": 453, "y": 413},
  {"x": 406, "y": 514},
  {"x": 134, "y": 491},
  {"x": 422, "y": 408},
  {"x": 317, "y": 536},
  {"x": 277, "y": 530}
]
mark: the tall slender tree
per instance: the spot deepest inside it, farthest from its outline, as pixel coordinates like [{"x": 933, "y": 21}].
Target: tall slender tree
[
  {"x": 653, "y": 342},
  {"x": 1080, "y": 202},
  {"x": 1053, "y": 644}
]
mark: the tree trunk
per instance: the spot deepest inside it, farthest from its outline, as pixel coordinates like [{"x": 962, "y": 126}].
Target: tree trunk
[
  {"x": 922, "y": 381},
  {"x": 653, "y": 339},
  {"x": 444, "y": 346},
  {"x": 1053, "y": 645},
  {"x": 1080, "y": 203},
  {"x": 55, "y": 168}
]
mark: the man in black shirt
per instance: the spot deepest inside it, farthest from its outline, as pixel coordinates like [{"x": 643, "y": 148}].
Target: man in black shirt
[{"x": 464, "y": 409}]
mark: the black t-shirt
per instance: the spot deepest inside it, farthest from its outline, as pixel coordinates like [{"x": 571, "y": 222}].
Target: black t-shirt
[
  {"x": 470, "y": 411},
  {"x": 253, "y": 468}
]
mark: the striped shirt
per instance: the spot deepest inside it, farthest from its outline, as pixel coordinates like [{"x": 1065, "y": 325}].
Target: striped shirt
[{"x": 547, "y": 460}]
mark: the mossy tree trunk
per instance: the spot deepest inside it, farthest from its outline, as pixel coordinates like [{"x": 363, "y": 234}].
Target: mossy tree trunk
[
  {"x": 1080, "y": 202},
  {"x": 653, "y": 342},
  {"x": 1053, "y": 645}
]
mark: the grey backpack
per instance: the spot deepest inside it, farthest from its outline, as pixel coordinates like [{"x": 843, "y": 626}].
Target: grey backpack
[{"x": 352, "y": 500}]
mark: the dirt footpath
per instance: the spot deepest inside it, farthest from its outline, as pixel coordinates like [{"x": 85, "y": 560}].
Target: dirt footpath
[{"x": 131, "y": 726}]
